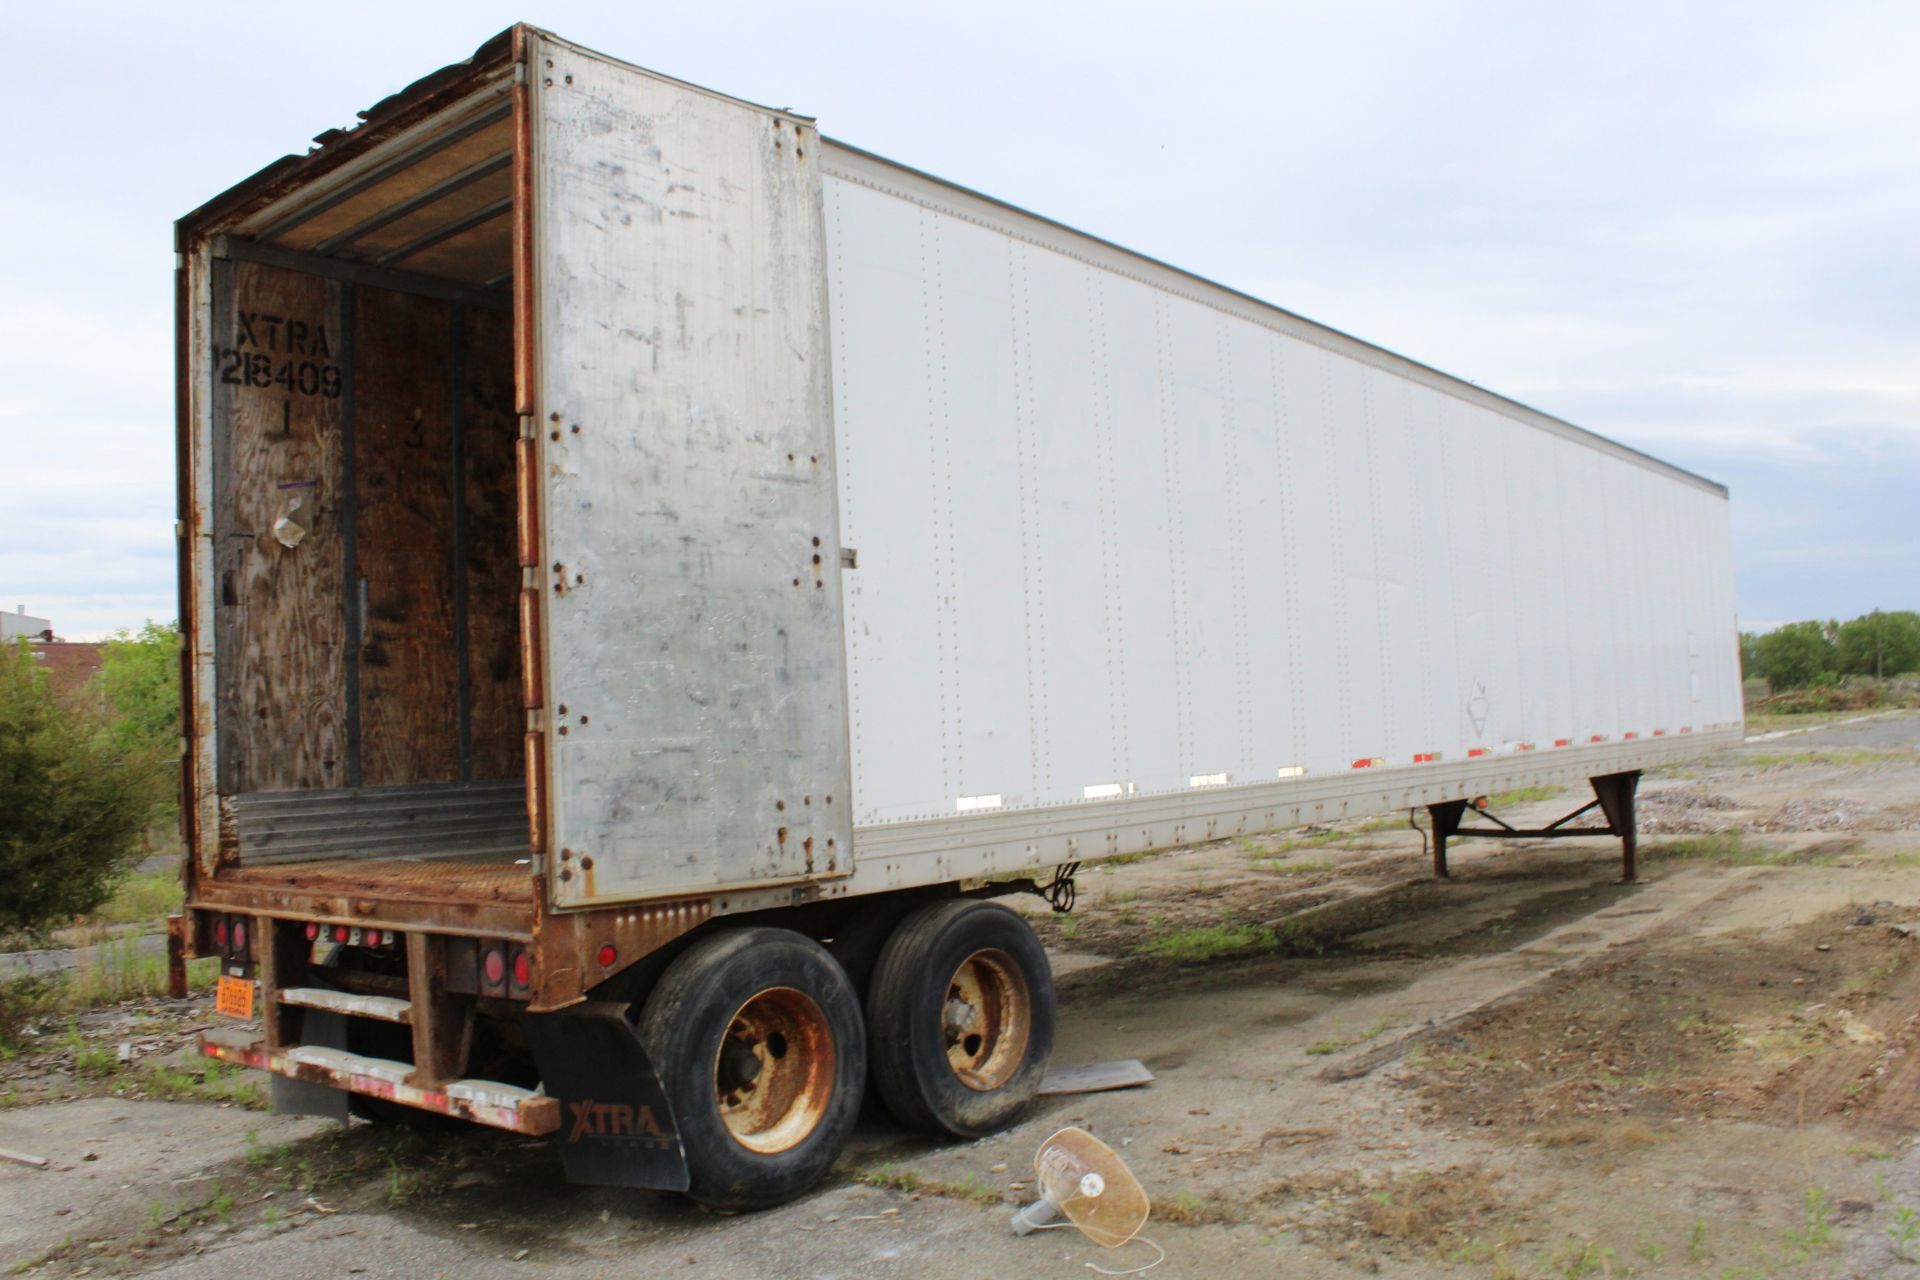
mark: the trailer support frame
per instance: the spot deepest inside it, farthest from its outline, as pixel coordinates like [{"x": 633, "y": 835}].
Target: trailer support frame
[{"x": 1613, "y": 795}]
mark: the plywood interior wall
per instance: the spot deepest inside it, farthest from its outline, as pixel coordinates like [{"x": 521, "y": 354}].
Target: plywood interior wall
[
  {"x": 497, "y": 720},
  {"x": 404, "y": 538},
  {"x": 377, "y": 426},
  {"x": 281, "y": 630}
]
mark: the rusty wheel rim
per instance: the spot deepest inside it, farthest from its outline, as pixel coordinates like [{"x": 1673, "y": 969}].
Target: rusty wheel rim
[
  {"x": 986, "y": 1019},
  {"x": 773, "y": 1072}
]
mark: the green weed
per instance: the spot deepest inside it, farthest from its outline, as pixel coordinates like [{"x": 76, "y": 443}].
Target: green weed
[
  {"x": 1814, "y": 1234},
  {"x": 1522, "y": 795},
  {"x": 1210, "y": 942},
  {"x": 1904, "y": 1233}
]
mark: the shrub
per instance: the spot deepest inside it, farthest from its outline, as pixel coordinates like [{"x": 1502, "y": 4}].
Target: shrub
[{"x": 73, "y": 800}]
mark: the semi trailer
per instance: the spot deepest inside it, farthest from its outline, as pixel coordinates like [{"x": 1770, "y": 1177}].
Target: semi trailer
[{"x": 653, "y": 577}]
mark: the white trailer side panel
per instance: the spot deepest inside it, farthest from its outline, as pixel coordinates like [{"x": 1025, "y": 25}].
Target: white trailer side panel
[
  {"x": 695, "y": 707},
  {"x": 1127, "y": 540}
]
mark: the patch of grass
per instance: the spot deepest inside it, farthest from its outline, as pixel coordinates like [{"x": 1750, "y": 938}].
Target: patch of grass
[
  {"x": 1727, "y": 848},
  {"x": 1904, "y": 1233},
  {"x": 1522, "y": 795},
  {"x": 141, "y": 897},
  {"x": 1583, "y": 1258},
  {"x": 892, "y": 1178},
  {"x": 92, "y": 1061},
  {"x": 1210, "y": 942},
  {"x": 1312, "y": 866},
  {"x": 1313, "y": 840},
  {"x": 1429, "y": 1207},
  {"x": 116, "y": 971},
  {"x": 1615, "y": 1136},
  {"x": 25, "y": 1002},
  {"x": 122, "y": 969},
  {"x": 1849, "y": 759},
  {"x": 1191, "y": 1210},
  {"x": 1698, "y": 1250},
  {"x": 213, "y": 1082},
  {"x": 1814, "y": 1235},
  {"x": 1320, "y": 1048}
]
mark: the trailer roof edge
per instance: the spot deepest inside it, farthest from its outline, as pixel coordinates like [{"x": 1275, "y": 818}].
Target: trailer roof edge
[{"x": 1266, "y": 312}]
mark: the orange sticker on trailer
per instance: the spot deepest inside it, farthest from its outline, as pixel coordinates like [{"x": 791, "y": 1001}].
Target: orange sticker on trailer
[{"x": 234, "y": 997}]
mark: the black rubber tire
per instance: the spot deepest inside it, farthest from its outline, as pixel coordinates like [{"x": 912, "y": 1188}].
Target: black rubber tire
[
  {"x": 683, "y": 1025},
  {"x": 905, "y": 1008}
]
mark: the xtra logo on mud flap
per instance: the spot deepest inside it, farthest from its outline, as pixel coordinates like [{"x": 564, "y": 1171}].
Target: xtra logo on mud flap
[{"x": 618, "y": 1123}]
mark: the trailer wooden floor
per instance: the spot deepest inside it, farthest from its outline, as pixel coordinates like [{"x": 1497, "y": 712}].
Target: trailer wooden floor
[{"x": 495, "y": 879}]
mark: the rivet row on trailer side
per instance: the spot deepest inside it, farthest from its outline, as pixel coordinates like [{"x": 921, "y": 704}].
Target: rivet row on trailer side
[{"x": 653, "y": 575}]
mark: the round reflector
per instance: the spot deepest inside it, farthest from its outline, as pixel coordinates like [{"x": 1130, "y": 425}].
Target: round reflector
[
  {"x": 522, "y": 969},
  {"x": 608, "y": 955},
  {"x": 494, "y": 967}
]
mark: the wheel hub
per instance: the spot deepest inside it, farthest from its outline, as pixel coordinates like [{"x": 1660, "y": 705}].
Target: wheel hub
[
  {"x": 986, "y": 1020},
  {"x": 773, "y": 1072}
]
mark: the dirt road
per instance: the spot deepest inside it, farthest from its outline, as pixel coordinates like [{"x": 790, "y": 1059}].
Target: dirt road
[{"x": 1529, "y": 1071}]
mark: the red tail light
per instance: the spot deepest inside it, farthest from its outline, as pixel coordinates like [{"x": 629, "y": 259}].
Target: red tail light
[
  {"x": 220, "y": 933},
  {"x": 371, "y": 937},
  {"x": 522, "y": 969},
  {"x": 240, "y": 937},
  {"x": 341, "y": 933},
  {"x": 493, "y": 967},
  {"x": 313, "y": 930}
]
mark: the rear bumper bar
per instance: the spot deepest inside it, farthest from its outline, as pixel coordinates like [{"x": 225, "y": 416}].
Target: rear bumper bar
[{"x": 488, "y": 1102}]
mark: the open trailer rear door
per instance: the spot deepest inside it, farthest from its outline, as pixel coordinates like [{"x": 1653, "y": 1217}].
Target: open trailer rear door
[{"x": 696, "y": 721}]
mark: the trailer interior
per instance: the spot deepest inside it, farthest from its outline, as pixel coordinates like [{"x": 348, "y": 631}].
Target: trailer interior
[{"x": 367, "y": 703}]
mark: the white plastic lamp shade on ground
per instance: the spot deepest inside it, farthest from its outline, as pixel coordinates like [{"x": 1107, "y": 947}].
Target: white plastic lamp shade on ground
[{"x": 1082, "y": 1179}]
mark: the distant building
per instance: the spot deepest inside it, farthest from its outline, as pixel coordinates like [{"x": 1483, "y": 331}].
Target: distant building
[
  {"x": 24, "y": 626},
  {"x": 69, "y": 664}
]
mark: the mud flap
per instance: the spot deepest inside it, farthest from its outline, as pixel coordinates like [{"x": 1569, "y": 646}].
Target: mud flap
[
  {"x": 616, "y": 1126},
  {"x": 303, "y": 1098}
]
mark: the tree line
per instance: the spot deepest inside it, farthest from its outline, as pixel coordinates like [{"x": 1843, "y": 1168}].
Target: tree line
[{"x": 1802, "y": 655}]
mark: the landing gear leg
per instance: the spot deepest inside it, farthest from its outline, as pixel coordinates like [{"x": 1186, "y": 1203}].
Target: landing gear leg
[
  {"x": 1615, "y": 793},
  {"x": 1446, "y": 821}
]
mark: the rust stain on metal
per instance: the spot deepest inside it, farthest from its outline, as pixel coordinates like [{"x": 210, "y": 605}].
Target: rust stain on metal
[
  {"x": 177, "y": 957},
  {"x": 532, "y": 676},
  {"x": 568, "y": 944},
  {"x": 394, "y": 115},
  {"x": 526, "y": 475},
  {"x": 536, "y": 778},
  {"x": 523, "y": 356}
]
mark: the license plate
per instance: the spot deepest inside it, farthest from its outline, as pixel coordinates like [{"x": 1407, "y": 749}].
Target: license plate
[{"x": 234, "y": 997}]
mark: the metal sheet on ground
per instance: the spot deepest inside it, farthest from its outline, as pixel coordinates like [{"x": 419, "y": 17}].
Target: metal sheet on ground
[{"x": 1096, "y": 1077}]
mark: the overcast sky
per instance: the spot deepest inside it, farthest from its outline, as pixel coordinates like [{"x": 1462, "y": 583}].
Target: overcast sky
[{"x": 1692, "y": 227}]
